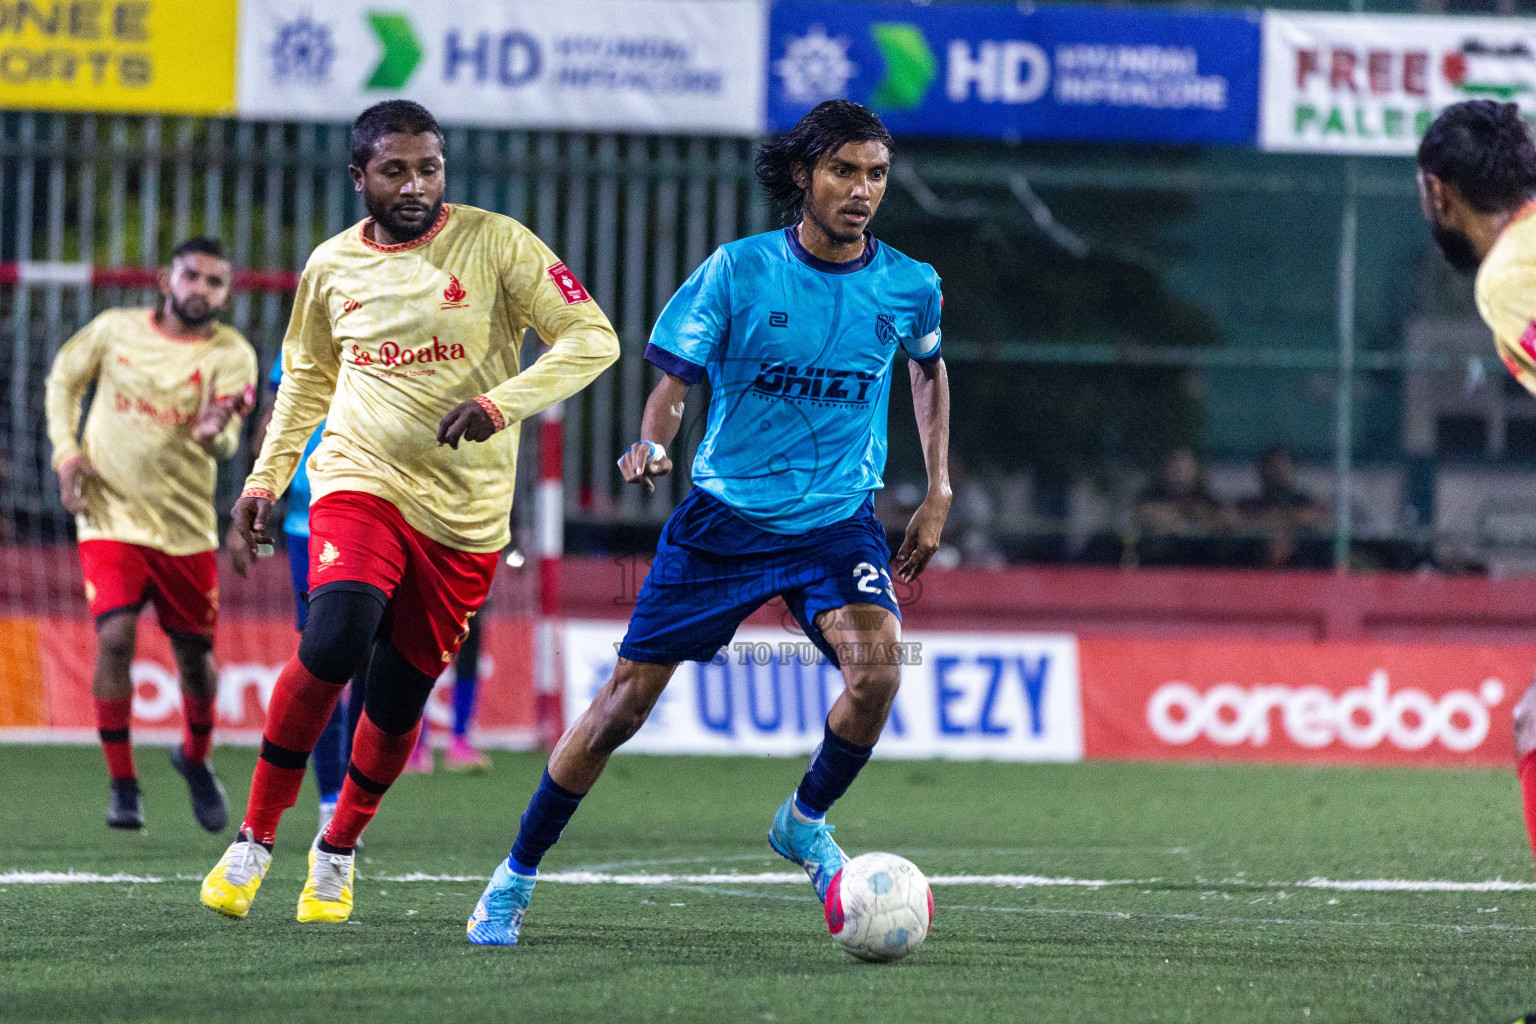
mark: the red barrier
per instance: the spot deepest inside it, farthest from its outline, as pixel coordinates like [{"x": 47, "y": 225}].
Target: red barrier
[
  {"x": 250, "y": 652},
  {"x": 1271, "y": 701},
  {"x": 1161, "y": 602}
]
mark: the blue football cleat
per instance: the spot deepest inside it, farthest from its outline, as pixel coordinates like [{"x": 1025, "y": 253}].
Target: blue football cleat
[
  {"x": 807, "y": 843},
  {"x": 498, "y": 917}
]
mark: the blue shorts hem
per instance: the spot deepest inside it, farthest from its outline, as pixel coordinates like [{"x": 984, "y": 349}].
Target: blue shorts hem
[{"x": 662, "y": 655}]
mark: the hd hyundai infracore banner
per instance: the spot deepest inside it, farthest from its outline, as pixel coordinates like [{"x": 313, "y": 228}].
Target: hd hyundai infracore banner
[
  {"x": 1021, "y": 72},
  {"x": 636, "y": 65}
]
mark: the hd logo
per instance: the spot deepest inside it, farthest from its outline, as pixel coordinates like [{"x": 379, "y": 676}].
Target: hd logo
[{"x": 814, "y": 383}]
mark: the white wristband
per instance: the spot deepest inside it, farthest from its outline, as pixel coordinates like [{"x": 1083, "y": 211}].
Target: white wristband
[{"x": 657, "y": 452}]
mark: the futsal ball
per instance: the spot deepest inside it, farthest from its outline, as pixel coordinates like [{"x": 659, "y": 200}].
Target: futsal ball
[{"x": 879, "y": 907}]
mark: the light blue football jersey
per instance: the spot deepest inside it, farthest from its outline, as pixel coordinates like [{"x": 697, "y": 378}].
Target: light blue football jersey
[{"x": 798, "y": 352}]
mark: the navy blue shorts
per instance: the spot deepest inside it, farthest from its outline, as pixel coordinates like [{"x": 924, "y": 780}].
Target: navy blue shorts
[{"x": 713, "y": 569}]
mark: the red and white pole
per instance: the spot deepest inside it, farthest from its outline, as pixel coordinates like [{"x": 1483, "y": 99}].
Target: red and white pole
[{"x": 549, "y": 545}]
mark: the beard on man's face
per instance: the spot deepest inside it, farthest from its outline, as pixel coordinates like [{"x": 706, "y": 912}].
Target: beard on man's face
[
  {"x": 1457, "y": 248},
  {"x": 1455, "y": 244},
  {"x": 404, "y": 219},
  {"x": 195, "y": 312}
]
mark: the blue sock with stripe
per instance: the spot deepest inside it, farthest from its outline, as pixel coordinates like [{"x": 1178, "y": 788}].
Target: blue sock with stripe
[
  {"x": 549, "y": 810},
  {"x": 834, "y": 766}
]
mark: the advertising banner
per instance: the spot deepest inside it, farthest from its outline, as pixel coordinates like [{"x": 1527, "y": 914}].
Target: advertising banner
[
  {"x": 641, "y": 65},
  {"x": 1020, "y": 71},
  {"x": 47, "y": 696},
  {"x": 999, "y": 696},
  {"x": 1372, "y": 83},
  {"x": 1294, "y": 701},
  {"x": 130, "y": 56}
]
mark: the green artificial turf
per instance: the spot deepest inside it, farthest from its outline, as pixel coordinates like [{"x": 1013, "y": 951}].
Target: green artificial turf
[{"x": 1209, "y": 927}]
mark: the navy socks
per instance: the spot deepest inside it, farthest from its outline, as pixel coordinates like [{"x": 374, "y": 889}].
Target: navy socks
[
  {"x": 834, "y": 766},
  {"x": 547, "y": 814}
]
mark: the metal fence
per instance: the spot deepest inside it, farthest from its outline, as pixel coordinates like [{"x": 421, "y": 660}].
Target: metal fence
[{"x": 633, "y": 215}]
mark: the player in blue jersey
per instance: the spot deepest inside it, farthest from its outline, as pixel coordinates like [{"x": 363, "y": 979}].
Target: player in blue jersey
[
  {"x": 796, "y": 331},
  {"x": 334, "y": 747}
]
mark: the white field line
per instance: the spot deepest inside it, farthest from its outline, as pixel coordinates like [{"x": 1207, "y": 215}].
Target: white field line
[
  {"x": 1403, "y": 885},
  {"x": 580, "y": 877}
]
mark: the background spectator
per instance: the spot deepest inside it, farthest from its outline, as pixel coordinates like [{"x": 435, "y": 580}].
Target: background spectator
[{"x": 1280, "y": 510}]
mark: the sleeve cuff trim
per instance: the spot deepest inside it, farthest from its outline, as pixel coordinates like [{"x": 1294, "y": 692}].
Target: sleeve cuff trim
[
  {"x": 493, "y": 411},
  {"x": 258, "y": 492},
  {"x": 676, "y": 365}
]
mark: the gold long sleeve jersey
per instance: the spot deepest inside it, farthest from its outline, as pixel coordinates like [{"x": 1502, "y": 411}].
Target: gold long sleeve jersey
[
  {"x": 384, "y": 340},
  {"x": 155, "y": 481},
  {"x": 1506, "y": 295}
]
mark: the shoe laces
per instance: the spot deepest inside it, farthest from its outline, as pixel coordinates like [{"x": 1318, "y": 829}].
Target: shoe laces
[
  {"x": 504, "y": 905},
  {"x": 332, "y": 873},
  {"x": 242, "y": 862}
]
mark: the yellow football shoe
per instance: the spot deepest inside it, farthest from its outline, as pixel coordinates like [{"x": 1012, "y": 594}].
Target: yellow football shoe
[
  {"x": 232, "y": 884},
  {"x": 327, "y": 894}
]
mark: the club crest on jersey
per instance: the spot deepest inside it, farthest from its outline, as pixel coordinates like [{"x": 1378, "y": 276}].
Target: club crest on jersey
[
  {"x": 329, "y": 556},
  {"x": 885, "y": 328},
  {"x": 197, "y": 377},
  {"x": 454, "y": 295},
  {"x": 570, "y": 288}
]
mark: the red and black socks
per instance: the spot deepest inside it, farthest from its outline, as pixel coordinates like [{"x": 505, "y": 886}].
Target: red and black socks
[
  {"x": 112, "y": 725},
  {"x": 301, "y": 705}
]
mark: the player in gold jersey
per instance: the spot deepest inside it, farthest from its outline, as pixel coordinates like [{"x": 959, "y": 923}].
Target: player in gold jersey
[
  {"x": 172, "y": 384},
  {"x": 1477, "y": 187},
  {"x": 404, "y": 339}
]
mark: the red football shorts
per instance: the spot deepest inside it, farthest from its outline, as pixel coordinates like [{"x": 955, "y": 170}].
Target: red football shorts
[
  {"x": 183, "y": 588},
  {"x": 432, "y": 589}
]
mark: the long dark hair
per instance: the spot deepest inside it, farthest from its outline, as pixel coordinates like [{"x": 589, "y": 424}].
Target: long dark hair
[{"x": 820, "y": 133}]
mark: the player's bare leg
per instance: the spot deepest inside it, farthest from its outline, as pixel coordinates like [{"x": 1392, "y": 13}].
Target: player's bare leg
[
  {"x": 615, "y": 714},
  {"x": 867, "y": 639},
  {"x": 1525, "y": 757},
  {"x": 199, "y": 693},
  {"x": 871, "y": 637},
  {"x": 112, "y": 688}
]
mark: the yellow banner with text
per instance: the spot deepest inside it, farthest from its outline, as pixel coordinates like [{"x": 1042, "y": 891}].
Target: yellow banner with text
[{"x": 129, "y": 56}]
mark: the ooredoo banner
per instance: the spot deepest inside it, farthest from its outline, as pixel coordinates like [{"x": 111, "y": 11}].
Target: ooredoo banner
[
  {"x": 1000, "y": 696},
  {"x": 1295, "y": 701},
  {"x": 1372, "y": 83},
  {"x": 637, "y": 65}
]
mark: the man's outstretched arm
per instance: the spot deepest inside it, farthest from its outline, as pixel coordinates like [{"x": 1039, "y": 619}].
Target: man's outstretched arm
[
  {"x": 930, "y": 404},
  {"x": 663, "y": 417}
]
